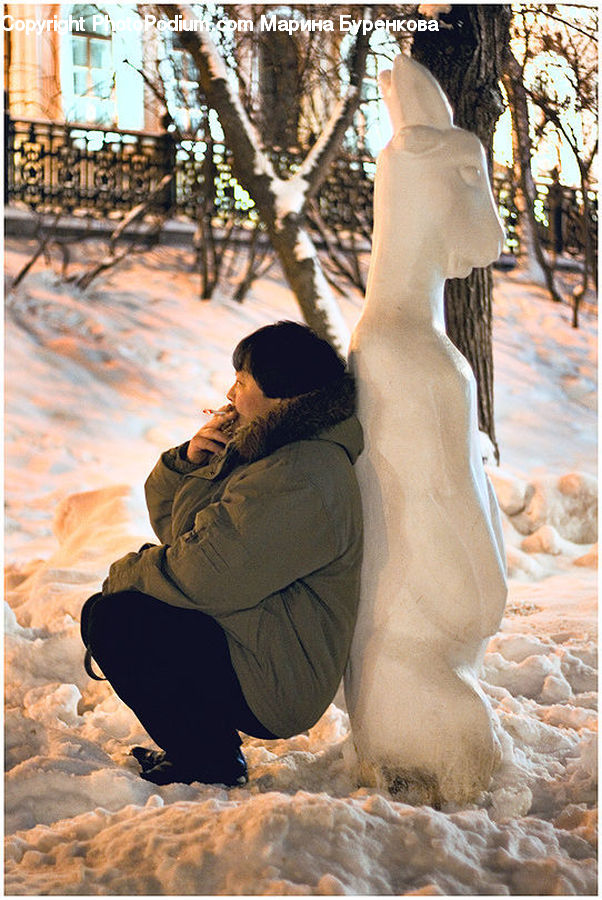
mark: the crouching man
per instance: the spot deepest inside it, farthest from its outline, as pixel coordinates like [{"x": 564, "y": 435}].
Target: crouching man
[{"x": 242, "y": 617}]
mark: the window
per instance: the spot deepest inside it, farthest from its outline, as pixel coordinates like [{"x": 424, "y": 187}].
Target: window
[
  {"x": 181, "y": 81},
  {"x": 93, "y": 73}
]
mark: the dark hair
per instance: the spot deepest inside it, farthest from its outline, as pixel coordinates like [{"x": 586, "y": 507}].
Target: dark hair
[{"x": 288, "y": 359}]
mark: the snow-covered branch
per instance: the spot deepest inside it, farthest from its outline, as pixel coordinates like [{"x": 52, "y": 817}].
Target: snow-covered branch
[{"x": 249, "y": 159}]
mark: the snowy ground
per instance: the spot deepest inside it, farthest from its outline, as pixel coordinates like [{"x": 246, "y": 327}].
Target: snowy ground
[{"x": 97, "y": 386}]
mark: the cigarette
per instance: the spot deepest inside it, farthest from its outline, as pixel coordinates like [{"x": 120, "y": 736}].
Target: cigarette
[{"x": 216, "y": 412}]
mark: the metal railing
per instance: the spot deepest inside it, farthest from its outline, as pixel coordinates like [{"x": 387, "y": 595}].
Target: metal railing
[
  {"x": 73, "y": 169},
  {"x": 104, "y": 172},
  {"x": 558, "y": 213}
]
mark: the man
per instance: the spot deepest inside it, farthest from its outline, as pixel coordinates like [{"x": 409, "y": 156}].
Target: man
[{"x": 243, "y": 616}]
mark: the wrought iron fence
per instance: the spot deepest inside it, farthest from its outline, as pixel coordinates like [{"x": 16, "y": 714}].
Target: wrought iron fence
[
  {"x": 103, "y": 173},
  {"x": 558, "y": 213},
  {"x": 73, "y": 169}
]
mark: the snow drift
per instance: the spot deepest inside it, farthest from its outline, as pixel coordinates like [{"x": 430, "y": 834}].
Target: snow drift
[{"x": 113, "y": 377}]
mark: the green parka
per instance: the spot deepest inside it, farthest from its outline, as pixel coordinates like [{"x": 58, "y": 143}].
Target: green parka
[{"x": 266, "y": 537}]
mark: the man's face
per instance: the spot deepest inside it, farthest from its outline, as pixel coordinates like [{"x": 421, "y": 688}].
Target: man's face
[{"x": 249, "y": 399}]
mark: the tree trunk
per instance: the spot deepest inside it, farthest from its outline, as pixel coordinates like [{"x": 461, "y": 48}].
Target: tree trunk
[
  {"x": 581, "y": 289},
  {"x": 525, "y": 227},
  {"x": 513, "y": 82},
  {"x": 279, "y": 86},
  {"x": 468, "y": 318},
  {"x": 467, "y": 59},
  {"x": 303, "y": 271}
]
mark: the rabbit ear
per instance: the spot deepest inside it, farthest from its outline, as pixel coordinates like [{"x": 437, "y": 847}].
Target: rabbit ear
[
  {"x": 387, "y": 90},
  {"x": 413, "y": 96},
  {"x": 384, "y": 79}
]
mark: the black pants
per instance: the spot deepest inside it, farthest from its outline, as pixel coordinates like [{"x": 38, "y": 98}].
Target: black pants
[{"x": 172, "y": 667}]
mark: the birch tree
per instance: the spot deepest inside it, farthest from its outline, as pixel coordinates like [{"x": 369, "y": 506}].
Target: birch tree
[{"x": 281, "y": 203}]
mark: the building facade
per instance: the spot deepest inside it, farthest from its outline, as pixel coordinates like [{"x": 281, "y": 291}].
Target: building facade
[{"x": 79, "y": 64}]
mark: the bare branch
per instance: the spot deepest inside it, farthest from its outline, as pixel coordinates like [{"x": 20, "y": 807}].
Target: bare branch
[
  {"x": 139, "y": 210},
  {"x": 321, "y": 156},
  {"x": 592, "y": 35},
  {"x": 45, "y": 236}
]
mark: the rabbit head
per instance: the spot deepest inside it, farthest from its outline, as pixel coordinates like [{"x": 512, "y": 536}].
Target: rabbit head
[{"x": 436, "y": 194}]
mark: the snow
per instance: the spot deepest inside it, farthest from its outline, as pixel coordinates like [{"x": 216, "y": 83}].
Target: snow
[
  {"x": 290, "y": 194},
  {"x": 97, "y": 385}
]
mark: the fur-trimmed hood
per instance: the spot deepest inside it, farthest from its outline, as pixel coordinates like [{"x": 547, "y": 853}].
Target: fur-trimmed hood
[{"x": 327, "y": 412}]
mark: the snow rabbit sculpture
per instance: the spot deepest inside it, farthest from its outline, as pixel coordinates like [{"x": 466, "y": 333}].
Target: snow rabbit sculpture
[{"x": 433, "y": 579}]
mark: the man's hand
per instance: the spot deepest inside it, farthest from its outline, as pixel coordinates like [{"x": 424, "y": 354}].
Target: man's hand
[{"x": 210, "y": 436}]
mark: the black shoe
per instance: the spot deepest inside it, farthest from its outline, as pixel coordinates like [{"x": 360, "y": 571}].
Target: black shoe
[
  {"x": 147, "y": 758},
  {"x": 232, "y": 773}
]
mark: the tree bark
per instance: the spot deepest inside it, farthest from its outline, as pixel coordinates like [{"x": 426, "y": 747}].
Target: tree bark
[
  {"x": 279, "y": 86},
  {"x": 468, "y": 322},
  {"x": 467, "y": 59}
]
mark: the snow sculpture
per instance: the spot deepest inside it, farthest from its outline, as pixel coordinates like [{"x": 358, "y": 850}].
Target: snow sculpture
[{"x": 433, "y": 580}]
